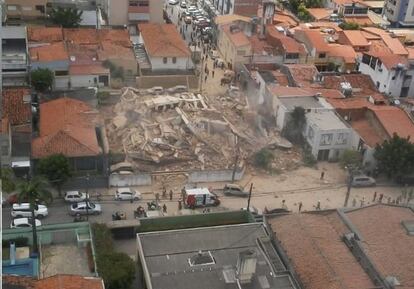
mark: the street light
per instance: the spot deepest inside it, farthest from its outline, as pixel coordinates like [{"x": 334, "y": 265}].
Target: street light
[{"x": 348, "y": 191}]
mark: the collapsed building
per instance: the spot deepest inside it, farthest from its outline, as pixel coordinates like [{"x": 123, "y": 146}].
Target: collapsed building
[{"x": 184, "y": 131}]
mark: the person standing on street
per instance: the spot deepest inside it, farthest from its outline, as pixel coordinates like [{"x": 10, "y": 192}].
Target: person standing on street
[
  {"x": 318, "y": 205},
  {"x": 375, "y": 196},
  {"x": 300, "y": 206},
  {"x": 171, "y": 195}
]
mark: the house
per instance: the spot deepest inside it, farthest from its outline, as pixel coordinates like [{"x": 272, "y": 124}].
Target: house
[
  {"x": 354, "y": 38},
  {"x": 368, "y": 247},
  {"x": 16, "y": 129},
  {"x": 291, "y": 50},
  {"x": 80, "y": 57},
  {"x": 234, "y": 45},
  {"x": 228, "y": 256},
  {"x": 328, "y": 136},
  {"x": 392, "y": 74},
  {"x": 57, "y": 244},
  {"x": 317, "y": 239},
  {"x": 283, "y": 100},
  {"x": 70, "y": 127},
  {"x": 14, "y": 64},
  {"x": 373, "y": 123},
  {"x": 164, "y": 47},
  {"x": 320, "y": 14},
  {"x": 131, "y": 12}
]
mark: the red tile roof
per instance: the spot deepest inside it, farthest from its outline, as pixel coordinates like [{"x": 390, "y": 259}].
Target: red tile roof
[
  {"x": 389, "y": 60},
  {"x": 4, "y": 125},
  {"x": 320, "y": 13},
  {"x": 316, "y": 39},
  {"x": 367, "y": 132},
  {"x": 303, "y": 74},
  {"x": 286, "y": 43},
  {"x": 362, "y": 84},
  {"x": 110, "y": 50},
  {"x": 66, "y": 126},
  {"x": 394, "y": 120},
  {"x": 355, "y": 37},
  {"x": 49, "y": 52},
  {"x": 313, "y": 242},
  {"x": 285, "y": 18},
  {"x": 97, "y": 69},
  {"x": 44, "y": 34},
  {"x": 81, "y": 35},
  {"x": 386, "y": 241},
  {"x": 70, "y": 282},
  {"x": 13, "y": 280},
  {"x": 163, "y": 40},
  {"x": 14, "y": 107},
  {"x": 281, "y": 91},
  {"x": 346, "y": 52},
  {"x": 393, "y": 44}
]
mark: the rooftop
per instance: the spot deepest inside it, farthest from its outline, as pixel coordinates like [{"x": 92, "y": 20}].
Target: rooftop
[
  {"x": 315, "y": 38},
  {"x": 44, "y": 34},
  {"x": 386, "y": 241},
  {"x": 355, "y": 37},
  {"x": 230, "y": 18},
  {"x": 16, "y": 105},
  {"x": 237, "y": 37},
  {"x": 66, "y": 126},
  {"x": 362, "y": 85},
  {"x": 49, "y": 52},
  {"x": 181, "y": 265},
  {"x": 320, "y": 13},
  {"x": 325, "y": 120},
  {"x": 288, "y": 44},
  {"x": 313, "y": 242},
  {"x": 163, "y": 40},
  {"x": 303, "y": 74}
]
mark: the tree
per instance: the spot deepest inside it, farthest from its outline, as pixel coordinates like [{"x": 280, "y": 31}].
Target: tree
[
  {"x": 56, "y": 169},
  {"x": 303, "y": 13},
  {"x": 314, "y": 3},
  {"x": 66, "y": 17},
  {"x": 116, "y": 269},
  {"x": 295, "y": 124},
  {"x": 7, "y": 176},
  {"x": 42, "y": 79},
  {"x": 395, "y": 156},
  {"x": 34, "y": 192},
  {"x": 263, "y": 158},
  {"x": 349, "y": 26},
  {"x": 351, "y": 159}
]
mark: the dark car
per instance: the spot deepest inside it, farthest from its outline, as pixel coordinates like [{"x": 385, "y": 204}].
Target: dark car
[{"x": 235, "y": 190}]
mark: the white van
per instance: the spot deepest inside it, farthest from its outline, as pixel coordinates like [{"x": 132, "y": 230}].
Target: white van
[{"x": 23, "y": 210}]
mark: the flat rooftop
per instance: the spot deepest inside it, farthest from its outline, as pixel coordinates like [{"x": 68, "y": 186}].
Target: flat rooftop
[
  {"x": 306, "y": 102},
  {"x": 326, "y": 120},
  {"x": 168, "y": 257}
]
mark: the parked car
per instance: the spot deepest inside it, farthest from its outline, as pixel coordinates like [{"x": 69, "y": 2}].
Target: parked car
[
  {"x": 183, "y": 4},
  {"x": 127, "y": 194},
  {"x": 363, "y": 181},
  {"x": 75, "y": 196},
  {"x": 84, "y": 208},
  {"x": 213, "y": 54},
  {"x": 188, "y": 19},
  {"x": 173, "y": 2},
  {"x": 177, "y": 89},
  {"x": 235, "y": 190},
  {"x": 156, "y": 90},
  {"x": 23, "y": 210},
  {"x": 24, "y": 223}
]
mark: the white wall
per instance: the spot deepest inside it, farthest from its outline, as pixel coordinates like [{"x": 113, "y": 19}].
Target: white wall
[
  {"x": 182, "y": 63},
  {"x": 83, "y": 80}
]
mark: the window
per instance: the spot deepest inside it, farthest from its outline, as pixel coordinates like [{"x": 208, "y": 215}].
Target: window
[
  {"x": 342, "y": 138},
  {"x": 174, "y": 59},
  {"x": 27, "y": 8},
  {"x": 322, "y": 55},
  {"x": 326, "y": 139},
  {"x": 11, "y": 7},
  {"x": 40, "y": 8},
  {"x": 164, "y": 59}
]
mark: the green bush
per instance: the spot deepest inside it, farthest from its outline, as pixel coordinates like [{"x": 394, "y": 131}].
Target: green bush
[
  {"x": 116, "y": 269},
  {"x": 350, "y": 158},
  {"x": 263, "y": 158},
  {"x": 308, "y": 158}
]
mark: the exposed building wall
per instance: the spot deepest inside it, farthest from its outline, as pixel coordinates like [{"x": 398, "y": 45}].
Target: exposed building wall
[
  {"x": 156, "y": 11},
  {"x": 25, "y": 9},
  {"x": 118, "y": 12},
  {"x": 182, "y": 63}
]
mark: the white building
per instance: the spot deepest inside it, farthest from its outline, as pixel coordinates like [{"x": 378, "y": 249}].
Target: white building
[
  {"x": 165, "y": 48},
  {"x": 399, "y": 12},
  {"x": 392, "y": 74},
  {"x": 327, "y": 135}
]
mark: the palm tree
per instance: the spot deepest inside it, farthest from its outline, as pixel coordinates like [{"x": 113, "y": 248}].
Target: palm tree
[{"x": 34, "y": 191}]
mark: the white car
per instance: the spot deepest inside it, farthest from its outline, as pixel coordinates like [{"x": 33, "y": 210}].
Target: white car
[
  {"x": 23, "y": 210},
  {"x": 127, "y": 194},
  {"x": 173, "y": 2},
  {"x": 24, "y": 223},
  {"x": 75, "y": 196},
  {"x": 84, "y": 208}
]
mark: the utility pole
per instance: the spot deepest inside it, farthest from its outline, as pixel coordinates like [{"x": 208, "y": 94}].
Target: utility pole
[
  {"x": 236, "y": 160},
  {"x": 348, "y": 191},
  {"x": 250, "y": 195},
  {"x": 87, "y": 197}
]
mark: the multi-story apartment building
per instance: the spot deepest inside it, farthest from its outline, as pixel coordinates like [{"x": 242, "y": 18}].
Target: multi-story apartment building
[{"x": 399, "y": 12}]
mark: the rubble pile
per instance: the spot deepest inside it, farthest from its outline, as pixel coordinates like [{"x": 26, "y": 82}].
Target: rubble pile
[{"x": 183, "y": 131}]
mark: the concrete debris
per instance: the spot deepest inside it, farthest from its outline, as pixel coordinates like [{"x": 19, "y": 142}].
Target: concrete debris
[{"x": 184, "y": 131}]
